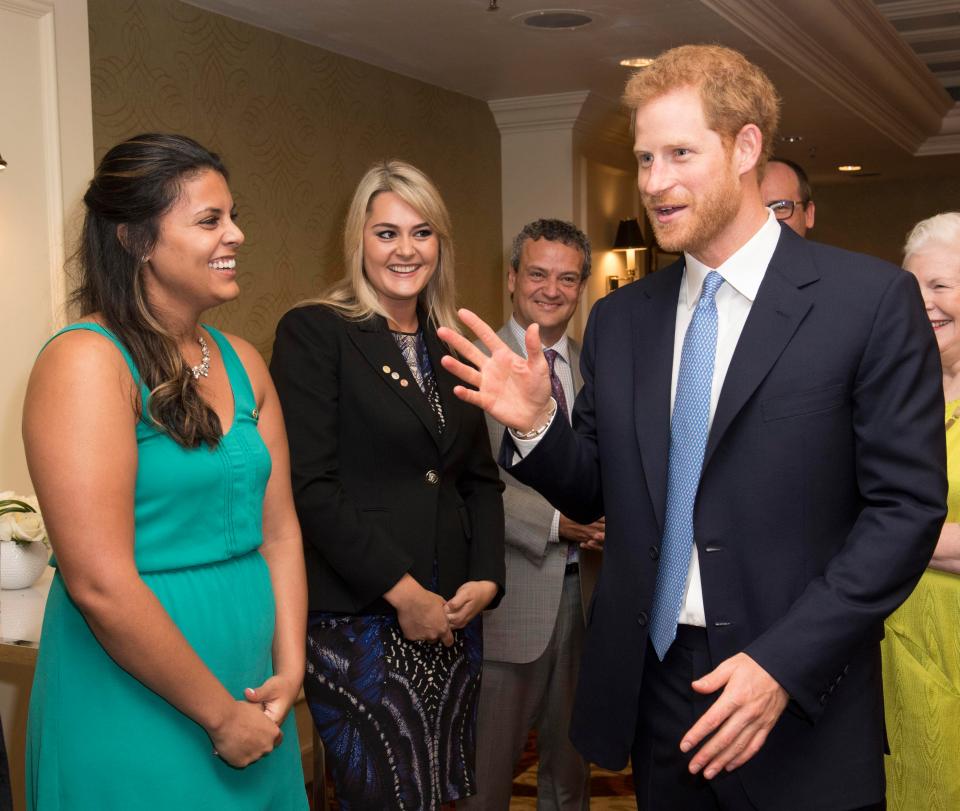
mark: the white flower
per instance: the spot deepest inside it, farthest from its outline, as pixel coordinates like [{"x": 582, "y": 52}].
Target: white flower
[
  {"x": 6, "y": 527},
  {"x": 28, "y": 527},
  {"x": 16, "y": 525}
]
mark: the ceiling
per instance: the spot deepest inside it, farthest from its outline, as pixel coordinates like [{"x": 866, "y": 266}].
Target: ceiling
[
  {"x": 932, "y": 30},
  {"x": 862, "y": 81}
]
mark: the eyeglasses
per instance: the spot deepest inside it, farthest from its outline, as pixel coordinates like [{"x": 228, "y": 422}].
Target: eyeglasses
[{"x": 783, "y": 209}]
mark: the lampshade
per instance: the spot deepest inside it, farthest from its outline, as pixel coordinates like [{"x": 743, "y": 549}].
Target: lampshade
[{"x": 629, "y": 237}]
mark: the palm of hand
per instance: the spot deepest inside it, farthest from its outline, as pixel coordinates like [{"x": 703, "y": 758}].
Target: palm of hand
[{"x": 513, "y": 390}]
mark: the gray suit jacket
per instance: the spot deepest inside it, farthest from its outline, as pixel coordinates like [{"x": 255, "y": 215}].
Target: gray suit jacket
[{"x": 519, "y": 630}]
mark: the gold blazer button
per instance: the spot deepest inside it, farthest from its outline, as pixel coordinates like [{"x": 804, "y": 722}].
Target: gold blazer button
[{"x": 432, "y": 477}]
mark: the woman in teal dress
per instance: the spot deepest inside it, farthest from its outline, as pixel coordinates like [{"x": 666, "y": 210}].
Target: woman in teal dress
[{"x": 172, "y": 645}]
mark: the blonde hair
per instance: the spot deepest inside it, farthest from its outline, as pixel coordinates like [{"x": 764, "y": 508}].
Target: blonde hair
[
  {"x": 941, "y": 229},
  {"x": 353, "y": 296},
  {"x": 734, "y": 92}
]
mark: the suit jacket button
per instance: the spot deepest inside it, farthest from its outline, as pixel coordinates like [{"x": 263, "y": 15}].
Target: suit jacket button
[
  {"x": 642, "y": 619},
  {"x": 654, "y": 552},
  {"x": 432, "y": 477}
]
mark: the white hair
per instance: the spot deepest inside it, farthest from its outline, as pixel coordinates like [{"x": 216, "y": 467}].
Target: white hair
[{"x": 942, "y": 230}]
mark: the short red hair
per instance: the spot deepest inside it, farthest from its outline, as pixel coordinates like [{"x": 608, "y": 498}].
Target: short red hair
[{"x": 734, "y": 92}]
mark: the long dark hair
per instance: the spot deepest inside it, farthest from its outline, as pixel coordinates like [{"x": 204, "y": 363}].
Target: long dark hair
[{"x": 136, "y": 183}]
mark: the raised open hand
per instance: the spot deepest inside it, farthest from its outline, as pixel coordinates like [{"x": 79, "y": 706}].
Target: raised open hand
[{"x": 513, "y": 390}]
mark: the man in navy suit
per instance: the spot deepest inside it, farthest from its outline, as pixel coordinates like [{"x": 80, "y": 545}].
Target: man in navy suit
[{"x": 761, "y": 424}]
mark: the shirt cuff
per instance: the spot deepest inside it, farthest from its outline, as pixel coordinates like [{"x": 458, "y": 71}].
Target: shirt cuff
[
  {"x": 554, "y": 536},
  {"x": 525, "y": 446}
]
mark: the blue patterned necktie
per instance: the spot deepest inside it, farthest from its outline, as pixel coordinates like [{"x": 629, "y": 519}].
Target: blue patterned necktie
[{"x": 688, "y": 440}]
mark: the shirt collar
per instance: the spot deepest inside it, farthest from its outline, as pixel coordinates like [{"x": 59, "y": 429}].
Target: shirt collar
[
  {"x": 743, "y": 271},
  {"x": 519, "y": 333}
]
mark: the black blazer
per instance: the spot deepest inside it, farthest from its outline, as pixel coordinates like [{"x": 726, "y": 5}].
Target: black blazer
[
  {"x": 821, "y": 499},
  {"x": 378, "y": 490}
]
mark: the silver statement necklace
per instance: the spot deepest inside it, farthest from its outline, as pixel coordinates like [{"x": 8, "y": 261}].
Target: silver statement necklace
[{"x": 202, "y": 369}]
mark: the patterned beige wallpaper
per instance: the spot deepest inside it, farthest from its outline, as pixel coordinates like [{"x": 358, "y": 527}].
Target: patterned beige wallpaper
[{"x": 297, "y": 126}]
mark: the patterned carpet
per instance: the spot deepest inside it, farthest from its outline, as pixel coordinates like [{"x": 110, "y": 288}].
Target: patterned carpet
[{"x": 609, "y": 791}]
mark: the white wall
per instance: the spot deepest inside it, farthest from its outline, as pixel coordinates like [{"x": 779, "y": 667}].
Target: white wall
[
  {"x": 46, "y": 137},
  {"x": 569, "y": 156}
]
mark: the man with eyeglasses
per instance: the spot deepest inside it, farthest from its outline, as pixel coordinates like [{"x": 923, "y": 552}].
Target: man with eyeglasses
[
  {"x": 786, "y": 190},
  {"x": 532, "y": 642}
]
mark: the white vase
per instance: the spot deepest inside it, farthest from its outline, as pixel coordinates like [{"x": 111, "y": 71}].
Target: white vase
[{"x": 21, "y": 564}]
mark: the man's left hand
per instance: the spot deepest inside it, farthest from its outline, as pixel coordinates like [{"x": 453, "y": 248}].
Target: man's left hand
[{"x": 739, "y": 720}]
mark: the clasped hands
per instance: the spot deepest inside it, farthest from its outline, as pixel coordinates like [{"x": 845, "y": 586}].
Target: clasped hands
[
  {"x": 425, "y": 616},
  {"x": 250, "y": 729},
  {"x": 586, "y": 536}
]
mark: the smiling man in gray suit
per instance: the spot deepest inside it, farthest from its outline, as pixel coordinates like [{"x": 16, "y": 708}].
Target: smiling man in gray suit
[{"x": 532, "y": 642}]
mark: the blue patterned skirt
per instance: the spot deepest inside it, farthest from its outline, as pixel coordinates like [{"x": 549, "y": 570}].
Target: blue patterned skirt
[{"x": 397, "y": 718}]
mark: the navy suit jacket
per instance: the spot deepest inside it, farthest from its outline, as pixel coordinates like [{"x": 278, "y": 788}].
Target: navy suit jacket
[{"x": 822, "y": 495}]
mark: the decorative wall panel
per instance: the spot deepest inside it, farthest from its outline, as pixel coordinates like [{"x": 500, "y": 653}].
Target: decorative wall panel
[{"x": 297, "y": 126}]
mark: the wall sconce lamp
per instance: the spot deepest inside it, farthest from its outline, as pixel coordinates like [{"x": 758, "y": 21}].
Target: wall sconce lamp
[
  {"x": 630, "y": 239},
  {"x": 3, "y": 163}
]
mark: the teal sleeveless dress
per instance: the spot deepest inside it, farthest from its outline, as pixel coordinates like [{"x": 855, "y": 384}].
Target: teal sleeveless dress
[{"x": 98, "y": 739}]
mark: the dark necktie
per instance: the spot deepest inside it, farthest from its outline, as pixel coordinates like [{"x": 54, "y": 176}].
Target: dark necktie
[{"x": 555, "y": 386}]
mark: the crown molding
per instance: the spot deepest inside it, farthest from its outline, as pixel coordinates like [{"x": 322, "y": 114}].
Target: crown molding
[
  {"x": 905, "y": 9},
  {"x": 947, "y": 142},
  {"x": 852, "y": 52},
  {"x": 552, "y": 111},
  {"x": 582, "y": 111},
  {"x": 931, "y": 34}
]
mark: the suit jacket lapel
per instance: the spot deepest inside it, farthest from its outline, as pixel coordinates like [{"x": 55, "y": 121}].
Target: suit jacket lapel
[
  {"x": 780, "y": 307},
  {"x": 653, "y": 327},
  {"x": 378, "y": 347},
  {"x": 575, "y": 367},
  {"x": 506, "y": 334}
]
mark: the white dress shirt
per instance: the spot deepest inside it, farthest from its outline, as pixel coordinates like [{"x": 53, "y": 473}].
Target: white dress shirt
[{"x": 742, "y": 273}]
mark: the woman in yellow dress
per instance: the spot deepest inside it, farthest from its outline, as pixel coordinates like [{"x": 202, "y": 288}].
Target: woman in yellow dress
[{"x": 921, "y": 652}]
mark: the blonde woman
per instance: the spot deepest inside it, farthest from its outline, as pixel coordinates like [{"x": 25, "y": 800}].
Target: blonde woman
[{"x": 400, "y": 505}]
